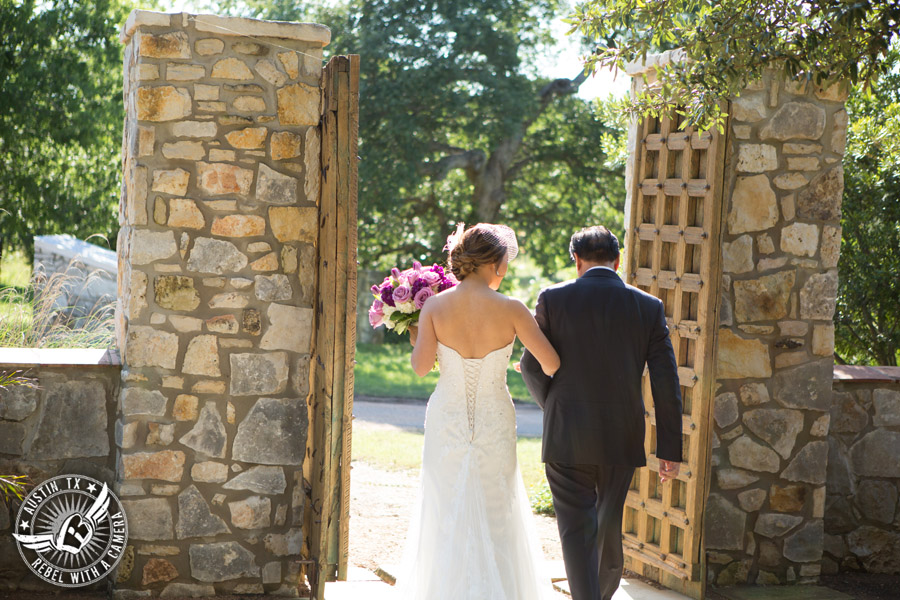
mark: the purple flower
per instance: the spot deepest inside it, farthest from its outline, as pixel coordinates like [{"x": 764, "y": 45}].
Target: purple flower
[
  {"x": 431, "y": 278},
  {"x": 418, "y": 284},
  {"x": 395, "y": 273},
  {"x": 437, "y": 269},
  {"x": 423, "y": 294},
  {"x": 376, "y": 290},
  {"x": 387, "y": 294},
  {"x": 376, "y": 317},
  {"x": 402, "y": 294}
]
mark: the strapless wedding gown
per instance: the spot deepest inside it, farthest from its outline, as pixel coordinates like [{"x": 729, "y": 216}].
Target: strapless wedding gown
[{"x": 471, "y": 535}]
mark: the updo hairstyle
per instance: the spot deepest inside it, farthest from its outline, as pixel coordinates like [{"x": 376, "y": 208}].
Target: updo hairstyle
[{"x": 478, "y": 245}]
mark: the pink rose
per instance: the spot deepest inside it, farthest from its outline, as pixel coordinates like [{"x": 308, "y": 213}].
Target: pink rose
[
  {"x": 421, "y": 296},
  {"x": 430, "y": 277},
  {"x": 402, "y": 294},
  {"x": 378, "y": 305},
  {"x": 376, "y": 318}
]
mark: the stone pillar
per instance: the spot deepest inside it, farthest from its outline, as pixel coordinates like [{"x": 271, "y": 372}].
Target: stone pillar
[
  {"x": 217, "y": 268},
  {"x": 780, "y": 244}
]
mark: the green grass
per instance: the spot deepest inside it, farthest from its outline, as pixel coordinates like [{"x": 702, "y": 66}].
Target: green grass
[
  {"x": 402, "y": 451},
  {"x": 383, "y": 370},
  {"x": 14, "y": 270}
]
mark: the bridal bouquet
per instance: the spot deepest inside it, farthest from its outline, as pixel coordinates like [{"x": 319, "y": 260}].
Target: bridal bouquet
[{"x": 400, "y": 297}]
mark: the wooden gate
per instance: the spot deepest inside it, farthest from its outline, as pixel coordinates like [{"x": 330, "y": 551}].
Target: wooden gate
[
  {"x": 672, "y": 251},
  {"x": 327, "y": 465}
]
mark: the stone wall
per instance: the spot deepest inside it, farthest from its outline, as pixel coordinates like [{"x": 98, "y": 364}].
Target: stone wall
[
  {"x": 862, "y": 517},
  {"x": 217, "y": 265},
  {"x": 62, "y": 423},
  {"x": 780, "y": 246}
]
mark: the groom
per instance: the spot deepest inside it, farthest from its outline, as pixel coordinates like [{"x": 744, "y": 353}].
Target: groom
[{"x": 605, "y": 332}]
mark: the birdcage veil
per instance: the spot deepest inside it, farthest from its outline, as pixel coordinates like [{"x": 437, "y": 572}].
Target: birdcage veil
[{"x": 498, "y": 235}]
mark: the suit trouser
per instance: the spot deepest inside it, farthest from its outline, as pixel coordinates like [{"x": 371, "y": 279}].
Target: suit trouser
[{"x": 589, "y": 500}]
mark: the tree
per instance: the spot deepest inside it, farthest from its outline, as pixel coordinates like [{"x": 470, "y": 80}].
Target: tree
[
  {"x": 867, "y": 320},
  {"x": 728, "y": 43},
  {"x": 455, "y": 126},
  {"x": 60, "y": 118}
]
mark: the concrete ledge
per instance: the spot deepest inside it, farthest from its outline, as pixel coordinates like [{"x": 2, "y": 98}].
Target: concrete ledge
[
  {"x": 868, "y": 374},
  {"x": 58, "y": 357},
  {"x": 312, "y": 33}
]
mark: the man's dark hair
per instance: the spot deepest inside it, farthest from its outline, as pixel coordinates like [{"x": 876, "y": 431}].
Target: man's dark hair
[{"x": 594, "y": 244}]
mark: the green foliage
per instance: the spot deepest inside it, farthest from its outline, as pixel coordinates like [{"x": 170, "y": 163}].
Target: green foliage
[
  {"x": 542, "y": 500},
  {"x": 867, "y": 320},
  {"x": 60, "y": 118},
  {"x": 729, "y": 43},
  {"x": 447, "y": 87}
]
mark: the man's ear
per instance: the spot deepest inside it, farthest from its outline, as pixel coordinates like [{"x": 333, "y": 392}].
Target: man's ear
[{"x": 616, "y": 265}]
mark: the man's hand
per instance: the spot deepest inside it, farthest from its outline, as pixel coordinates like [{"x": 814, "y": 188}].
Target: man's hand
[{"x": 668, "y": 470}]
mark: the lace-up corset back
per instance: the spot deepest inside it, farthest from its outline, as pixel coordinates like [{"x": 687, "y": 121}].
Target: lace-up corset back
[{"x": 482, "y": 381}]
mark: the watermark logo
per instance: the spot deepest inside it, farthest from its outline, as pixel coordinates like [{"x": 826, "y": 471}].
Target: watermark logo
[{"x": 71, "y": 530}]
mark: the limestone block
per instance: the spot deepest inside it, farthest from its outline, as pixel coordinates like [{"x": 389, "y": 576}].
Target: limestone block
[
  {"x": 194, "y": 129},
  {"x": 809, "y": 464},
  {"x": 219, "y": 155},
  {"x": 259, "y": 247},
  {"x": 887, "y": 407},
  {"x": 724, "y": 524},
  {"x": 790, "y": 498},
  {"x": 744, "y": 453},
  {"x": 184, "y": 72},
  {"x": 223, "y": 324},
  {"x": 209, "y": 472},
  {"x": 284, "y": 145},
  {"x": 735, "y": 573},
  {"x": 254, "y": 512},
  {"x": 184, "y": 150},
  {"x": 249, "y": 104},
  {"x": 229, "y": 300},
  {"x": 209, "y": 46},
  {"x": 818, "y": 297},
  {"x": 763, "y": 299},
  {"x": 185, "y": 214},
  {"x": 801, "y": 239},
  {"x": 202, "y": 356},
  {"x": 795, "y": 120},
  {"x": 185, "y": 324},
  {"x": 209, "y": 386},
  {"x": 805, "y": 386},
  {"x": 271, "y": 573},
  {"x": 18, "y": 402},
  {"x": 231, "y": 68},
  {"x": 248, "y": 138},
  {"x": 749, "y": 108},
  {"x": 73, "y": 423},
  {"x": 269, "y": 262},
  {"x": 754, "y": 394},
  {"x": 250, "y": 321},
  {"x": 206, "y": 93},
  {"x": 136, "y": 401},
  {"x": 289, "y": 258},
  {"x": 175, "y": 292},
  {"x": 284, "y": 544},
  {"x": 258, "y": 374},
  {"x": 740, "y": 358},
  {"x": 798, "y": 148},
  {"x": 272, "y": 433},
  {"x": 790, "y": 181},
  {"x": 126, "y": 435},
  {"x": 187, "y": 590},
  {"x": 221, "y": 562},
  {"x": 831, "y": 246},
  {"x": 160, "y": 434},
  {"x": 149, "y": 347},
  {"x": 149, "y": 519},
  {"x": 174, "y": 181},
  {"x": 839, "y": 134},
  {"x": 772, "y": 525},
  {"x": 878, "y": 550},
  {"x": 12, "y": 439},
  {"x": 752, "y": 500},
  {"x": 822, "y": 199},
  {"x": 162, "y": 103},
  {"x": 805, "y": 545},
  {"x": 195, "y": 518},
  {"x": 167, "y": 465},
  {"x": 876, "y": 500},
  {"x": 290, "y": 328},
  {"x": 217, "y": 179},
  {"x": 215, "y": 256},
  {"x": 778, "y": 427},
  {"x": 765, "y": 244},
  {"x": 804, "y": 163},
  {"x": 291, "y": 63},
  {"x": 875, "y": 455},
  {"x": 158, "y": 569},
  {"x": 165, "y": 45},
  {"x": 738, "y": 255},
  {"x": 741, "y": 132},
  {"x": 208, "y": 436},
  {"x": 298, "y": 104},
  {"x": 148, "y": 246},
  {"x": 823, "y": 340},
  {"x": 260, "y": 480},
  {"x": 294, "y": 224},
  {"x": 753, "y": 205},
  {"x": 756, "y": 158},
  {"x": 726, "y": 409},
  {"x": 239, "y": 226},
  {"x": 271, "y": 288},
  {"x": 268, "y": 71},
  {"x": 275, "y": 188},
  {"x": 312, "y": 149}
]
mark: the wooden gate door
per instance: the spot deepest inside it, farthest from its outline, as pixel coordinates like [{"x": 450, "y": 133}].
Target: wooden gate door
[
  {"x": 327, "y": 465},
  {"x": 672, "y": 251}
]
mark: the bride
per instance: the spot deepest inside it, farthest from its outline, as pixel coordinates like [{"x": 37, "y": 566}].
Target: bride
[{"x": 471, "y": 535}]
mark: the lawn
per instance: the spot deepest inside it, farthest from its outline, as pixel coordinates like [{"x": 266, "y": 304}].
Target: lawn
[
  {"x": 383, "y": 370},
  {"x": 402, "y": 451},
  {"x": 15, "y": 306}
]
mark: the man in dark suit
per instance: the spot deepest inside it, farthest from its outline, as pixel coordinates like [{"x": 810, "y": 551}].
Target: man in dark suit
[{"x": 605, "y": 332}]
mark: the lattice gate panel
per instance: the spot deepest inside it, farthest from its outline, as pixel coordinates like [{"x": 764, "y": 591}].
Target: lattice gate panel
[{"x": 672, "y": 252}]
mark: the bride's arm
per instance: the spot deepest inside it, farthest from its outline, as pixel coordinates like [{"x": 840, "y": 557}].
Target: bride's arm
[
  {"x": 534, "y": 339},
  {"x": 425, "y": 349}
]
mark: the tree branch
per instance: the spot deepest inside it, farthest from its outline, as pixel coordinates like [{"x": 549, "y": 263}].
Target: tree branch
[{"x": 470, "y": 160}]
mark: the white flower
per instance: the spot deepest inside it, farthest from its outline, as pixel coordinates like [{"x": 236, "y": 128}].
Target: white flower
[
  {"x": 388, "y": 310},
  {"x": 407, "y": 308}
]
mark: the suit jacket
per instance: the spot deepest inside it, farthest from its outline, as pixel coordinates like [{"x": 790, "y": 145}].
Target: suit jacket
[{"x": 605, "y": 332}]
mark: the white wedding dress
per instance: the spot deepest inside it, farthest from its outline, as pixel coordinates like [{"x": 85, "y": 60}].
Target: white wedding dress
[{"x": 471, "y": 534}]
